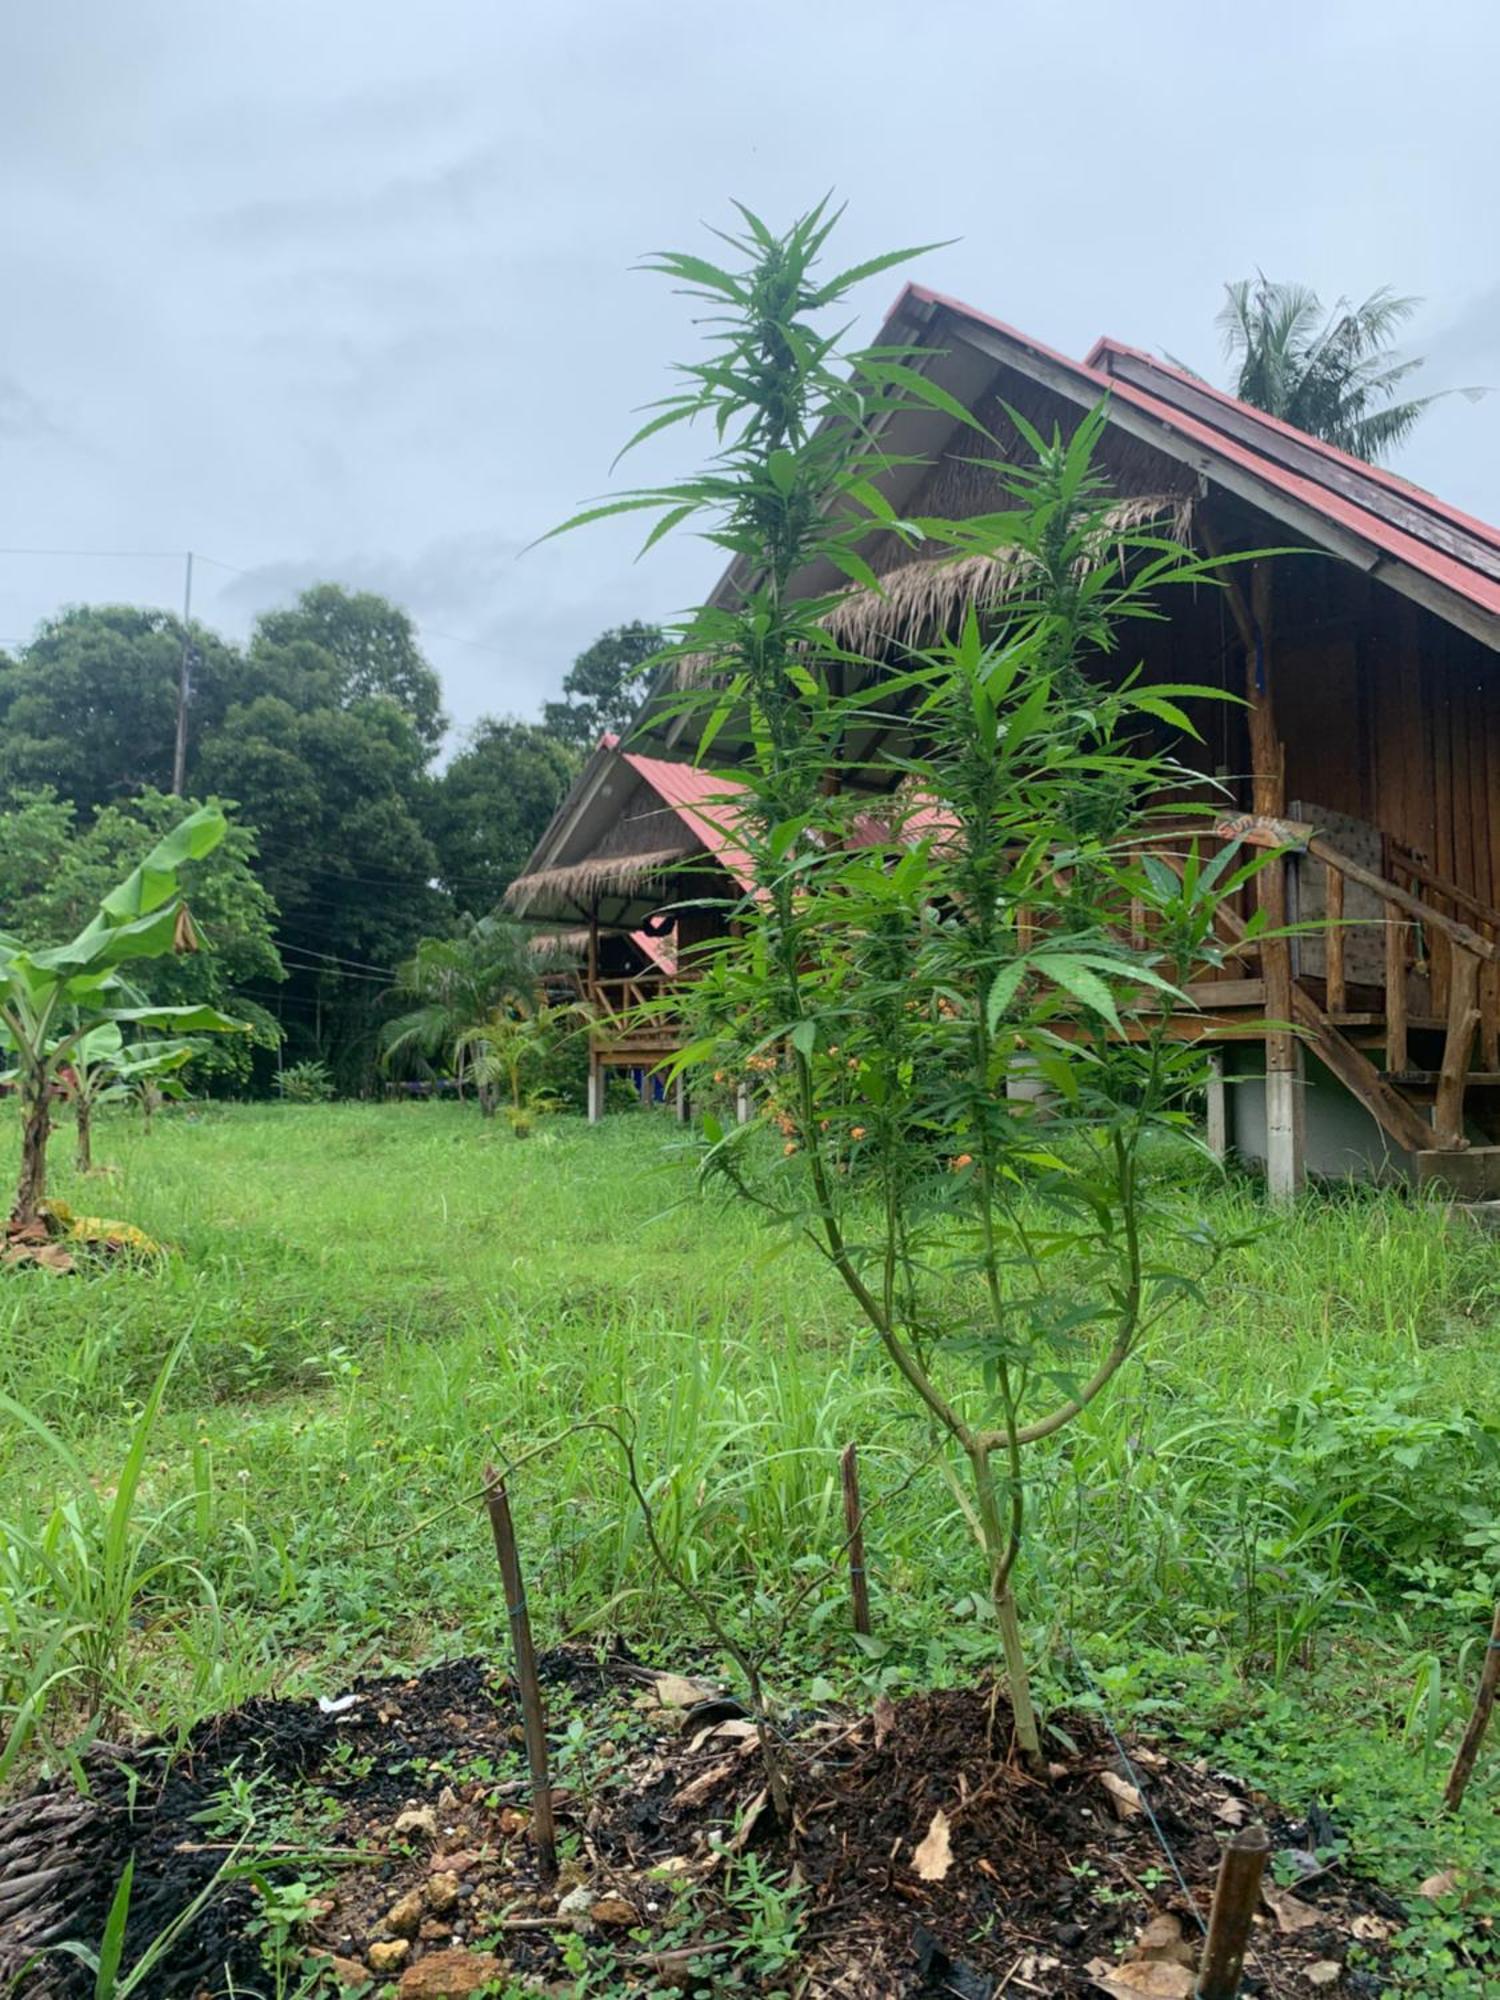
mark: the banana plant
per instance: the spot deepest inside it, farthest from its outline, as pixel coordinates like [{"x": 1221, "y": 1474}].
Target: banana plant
[
  {"x": 104, "y": 1068},
  {"x": 52, "y": 997}
]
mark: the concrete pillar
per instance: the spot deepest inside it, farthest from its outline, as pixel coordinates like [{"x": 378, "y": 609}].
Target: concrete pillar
[
  {"x": 1218, "y": 1107},
  {"x": 742, "y": 1105},
  {"x": 1286, "y": 1146},
  {"x": 680, "y": 1098},
  {"x": 596, "y": 1089}
]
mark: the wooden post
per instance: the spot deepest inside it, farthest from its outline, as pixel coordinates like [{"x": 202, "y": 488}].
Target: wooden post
[
  {"x": 859, "y": 1584},
  {"x": 1235, "y": 1898},
  {"x": 1395, "y": 991},
  {"x": 680, "y": 1098},
  {"x": 596, "y": 1087},
  {"x": 1463, "y": 1019},
  {"x": 1285, "y": 1167},
  {"x": 647, "y": 1095},
  {"x": 1334, "y": 949},
  {"x": 1479, "y": 1721},
  {"x": 742, "y": 1104},
  {"x": 1218, "y": 1107},
  {"x": 533, "y": 1717}
]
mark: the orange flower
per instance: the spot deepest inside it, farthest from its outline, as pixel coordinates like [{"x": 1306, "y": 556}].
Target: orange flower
[
  {"x": 789, "y": 1148},
  {"x": 858, "y": 1132},
  {"x": 963, "y": 1160}
]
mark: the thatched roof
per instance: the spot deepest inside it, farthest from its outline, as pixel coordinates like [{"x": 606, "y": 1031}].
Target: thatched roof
[
  {"x": 918, "y": 602},
  {"x": 584, "y": 882}
]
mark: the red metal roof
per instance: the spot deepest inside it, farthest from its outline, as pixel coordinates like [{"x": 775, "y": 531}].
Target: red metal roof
[
  {"x": 1362, "y": 520},
  {"x": 702, "y": 800}
]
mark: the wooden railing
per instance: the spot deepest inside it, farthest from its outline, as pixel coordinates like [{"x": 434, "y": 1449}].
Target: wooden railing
[
  {"x": 616, "y": 999},
  {"x": 1460, "y": 959}
]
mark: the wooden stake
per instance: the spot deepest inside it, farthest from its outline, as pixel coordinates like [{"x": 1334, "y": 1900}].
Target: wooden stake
[
  {"x": 859, "y": 1585},
  {"x": 1236, "y": 1895},
  {"x": 533, "y": 1716},
  {"x": 1479, "y": 1721}
]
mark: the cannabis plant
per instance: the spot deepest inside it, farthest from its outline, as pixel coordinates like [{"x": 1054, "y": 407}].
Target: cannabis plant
[{"x": 958, "y": 967}]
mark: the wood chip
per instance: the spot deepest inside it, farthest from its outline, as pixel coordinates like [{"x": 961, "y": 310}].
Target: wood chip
[
  {"x": 1327, "y": 1972},
  {"x": 1444, "y": 1883},
  {"x": 696, "y": 1790},
  {"x": 885, "y": 1718},
  {"x": 934, "y": 1857}
]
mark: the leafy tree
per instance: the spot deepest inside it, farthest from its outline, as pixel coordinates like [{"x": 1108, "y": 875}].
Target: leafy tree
[
  {"x": 52, "y": 997},
  {"x": 1000, "y": 1263},
  {"x": 603, "y": 687},
  {"x": 54, "y": 872},
  {"x": 491, "y": 805},
  {"x": 89, "y": 707},
  {"x": 468, "y": 991},
  {"x": 340, "y": 798},
  {"x": 1334, "y": 374},
  {"x": 341, "y": 648}
]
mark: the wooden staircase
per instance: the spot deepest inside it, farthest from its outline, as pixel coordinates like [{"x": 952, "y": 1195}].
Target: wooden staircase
[{"x": 1401, "y": 1034}]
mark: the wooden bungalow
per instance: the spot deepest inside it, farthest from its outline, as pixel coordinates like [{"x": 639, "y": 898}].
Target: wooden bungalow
[
  {"x": 642, "y": 855},
  {"x": 1368, "y": 745}
]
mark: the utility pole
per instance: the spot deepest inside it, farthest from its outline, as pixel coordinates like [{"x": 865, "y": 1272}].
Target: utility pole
[{"x": 184, "y": 684}]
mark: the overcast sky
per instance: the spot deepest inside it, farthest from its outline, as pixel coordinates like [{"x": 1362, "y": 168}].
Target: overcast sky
[{"x": 342, "y": 288}]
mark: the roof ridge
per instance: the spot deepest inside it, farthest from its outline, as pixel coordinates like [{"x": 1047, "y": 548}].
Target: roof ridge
[{"x": 1381, "y": 475}]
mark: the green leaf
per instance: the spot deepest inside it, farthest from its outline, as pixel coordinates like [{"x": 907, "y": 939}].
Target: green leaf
[
  {"x": 1075, "y": 977},
  {"x": 1007, "y": 984}
]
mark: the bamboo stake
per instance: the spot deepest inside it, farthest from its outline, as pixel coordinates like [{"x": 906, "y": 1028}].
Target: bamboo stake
[
  {"x": 1479, "y": 1721},
  {"x": 533, "y": 1716},
  {"x": 1236, "y": 1895},
  {"x": 859, "y": 1585}
]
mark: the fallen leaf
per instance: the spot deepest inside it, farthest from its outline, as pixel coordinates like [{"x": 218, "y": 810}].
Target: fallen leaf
[
  {"x": 1162, "y": 1939},
  {"x": 1124, "y": 1797},
  {"x": 1370, "y": 1930},
  {"x": 1326, "y": 1972},
  {"x": 750, "y": 1816},
  {"x": 673, "y": 1691},
  {"x": 885, "y": 1718},
  {"x": 737, "y": 1730},
  {"x": 1142, "y": 1980},
  {"x": 1445, "y": 1883},
  {"x": 934, "y": 1857},
  {"x": 1233, "y": 1811},
  {"x": 1291, "y": 1914},
  {"x": 613, "y": 1910}
]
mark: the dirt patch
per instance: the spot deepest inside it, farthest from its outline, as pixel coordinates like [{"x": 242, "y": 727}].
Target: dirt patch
[{"x": 392, "y": 1838}]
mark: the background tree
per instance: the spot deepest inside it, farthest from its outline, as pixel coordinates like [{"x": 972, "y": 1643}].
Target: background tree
[
  {"x": 362, "y": 648},
  {"x": 1334, "y": 374},
  {"x": 89, "y": 707},
  {"x": 492, "y": 804},
  {"x": 602, "y": 689}
]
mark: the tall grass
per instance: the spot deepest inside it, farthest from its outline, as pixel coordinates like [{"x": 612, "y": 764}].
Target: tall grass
[{"x": 365, "y": 1303}]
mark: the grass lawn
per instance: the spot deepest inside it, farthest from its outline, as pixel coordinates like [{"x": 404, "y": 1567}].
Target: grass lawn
[{"x": 1277, "y": 1539}]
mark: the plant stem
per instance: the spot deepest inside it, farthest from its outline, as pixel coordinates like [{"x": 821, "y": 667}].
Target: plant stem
[{"x": 999, "y": 1548}]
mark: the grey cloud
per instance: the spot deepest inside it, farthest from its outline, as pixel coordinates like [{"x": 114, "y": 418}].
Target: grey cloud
[{"x": 345, "y": 290}]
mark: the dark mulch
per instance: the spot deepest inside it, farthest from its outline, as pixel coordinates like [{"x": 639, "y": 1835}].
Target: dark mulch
[{"x": 664, "y": 1818}]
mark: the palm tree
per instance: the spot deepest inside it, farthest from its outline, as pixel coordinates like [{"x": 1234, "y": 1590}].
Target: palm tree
[
  {"x": 465, "y": 988},
  {"x": 1332, "y": 374}
]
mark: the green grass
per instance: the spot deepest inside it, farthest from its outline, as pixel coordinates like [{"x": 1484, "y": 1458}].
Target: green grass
[{"x": 1281, "y": 1530}]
